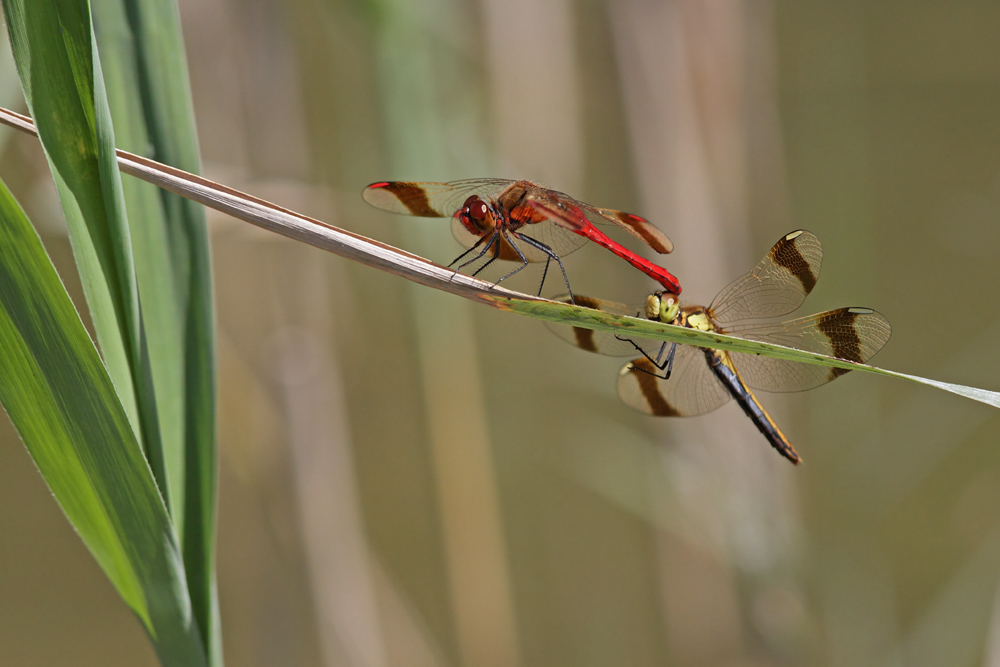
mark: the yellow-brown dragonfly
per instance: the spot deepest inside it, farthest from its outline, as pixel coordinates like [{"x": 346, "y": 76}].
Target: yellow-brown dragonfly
[{"x": 704, "y": 379}]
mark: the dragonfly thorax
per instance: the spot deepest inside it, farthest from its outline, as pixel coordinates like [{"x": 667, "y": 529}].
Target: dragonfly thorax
[{"x": 697, "y": 318}]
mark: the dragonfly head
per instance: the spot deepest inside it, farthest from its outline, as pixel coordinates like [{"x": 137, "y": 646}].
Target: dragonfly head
[
  {"x": 476, "y": 216},
  {"x": 662, "y": 306}
]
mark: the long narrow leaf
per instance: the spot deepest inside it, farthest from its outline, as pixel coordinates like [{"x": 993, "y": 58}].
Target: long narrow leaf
[
  {"x": 61, "y": 400},
  {"x": 143, "y": 56},
  {"x": 61, "y": 77},
  {"x": 169, "y": 112},
  {"x": 148, "y": 232},
  {"x": 641, "y": 328}
]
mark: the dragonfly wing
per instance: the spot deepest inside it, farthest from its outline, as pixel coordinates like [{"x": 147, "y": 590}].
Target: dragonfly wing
[
  {"x": 638, "y": 227},
  {"x": 560, "y": 240},
  {"x": 691, "y": 390},
  {"x": 777, "y": 285},
  {"x": 602, "y": 342},
  {"x": 854, "y": 334},
  {"x": 572, "y": 214},
  {"x": 557, "y": 223},
  {"x": 431, "y": 200}
]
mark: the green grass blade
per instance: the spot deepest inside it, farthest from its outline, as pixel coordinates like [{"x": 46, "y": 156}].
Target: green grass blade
[
  {"x": 60, "y": 69},
  {"x": 61, "y": 399},
  {"x": 562, "y": 313},
  {"x": 151, "y": 250},
  {"x": 64, "y": 85},
  {"x": 145, "y": 71}
]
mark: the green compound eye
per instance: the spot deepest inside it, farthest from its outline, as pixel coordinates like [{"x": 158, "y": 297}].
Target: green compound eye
[{"x": 668, "y": 308}]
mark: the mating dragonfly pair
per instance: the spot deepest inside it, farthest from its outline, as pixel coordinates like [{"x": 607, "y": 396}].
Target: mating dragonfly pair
[{"x": 521, "y": 221}]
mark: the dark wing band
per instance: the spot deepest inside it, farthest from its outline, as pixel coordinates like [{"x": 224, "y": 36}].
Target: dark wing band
[
  {"x": 776, "y": 286},
  {"x": 431, "y": 200},
  {"x": 691, "y": 390},
  {"x": 602, "y": 342},
  {"x": 854, "y": 334}
]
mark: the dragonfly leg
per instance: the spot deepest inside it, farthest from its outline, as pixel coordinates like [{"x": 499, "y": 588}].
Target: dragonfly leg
[
  {"x": 545, "y": 272},
  {"x": 474, "y": 246},
  {"x": 670, "y": 360},
  {"x": 551, "y": 255},
  {"x": 666, "y": 365},
  {"x": 495, "y": 242},
  {"x": 492, "y": 244},
  {"x": 524, "y": 260}
]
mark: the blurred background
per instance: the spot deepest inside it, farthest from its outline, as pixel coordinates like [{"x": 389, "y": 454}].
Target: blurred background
[{"x": 410, "y": 479}]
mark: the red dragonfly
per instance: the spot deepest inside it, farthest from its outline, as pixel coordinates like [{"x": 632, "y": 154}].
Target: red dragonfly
[
  {"x": 705, "y": 379},
  {"x": 520, "y": 221}
]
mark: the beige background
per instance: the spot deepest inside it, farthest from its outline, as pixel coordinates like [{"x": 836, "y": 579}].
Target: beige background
[{"x": 407, "y": 479}]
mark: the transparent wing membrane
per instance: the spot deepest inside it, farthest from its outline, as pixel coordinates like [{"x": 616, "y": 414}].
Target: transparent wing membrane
[
  {"x": 571, "y": 213},
  {"x": 776, "y": 286},
  {"x": 431, "y": 200},
  {"x": 854, "y": 334},
  {"x": 602, "y": 342},
  {"x": 691, "y": 390}
]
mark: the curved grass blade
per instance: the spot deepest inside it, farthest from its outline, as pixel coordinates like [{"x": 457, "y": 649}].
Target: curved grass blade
[
  {"x": 61, "y": 399},
  {"x": 149, "y": 237},
  {"x": 643, "y": 328},
  {"x": 64, "y": 85},
  {"x": 61, "y": 77}
]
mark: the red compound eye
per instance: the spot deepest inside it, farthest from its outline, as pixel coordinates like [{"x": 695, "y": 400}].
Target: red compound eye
[{"x": 477, "y": 208}]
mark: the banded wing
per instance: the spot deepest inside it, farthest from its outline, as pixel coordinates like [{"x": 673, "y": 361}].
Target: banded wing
[
  {"x": 691, "y": 390},
  {"x": 776, "y": 286},
  {"x": 572, "y": 214},
  {"x": 432, "y": 200},
  {"x": 605, "y": 342},
  {"x": 854, "y": 334}
]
